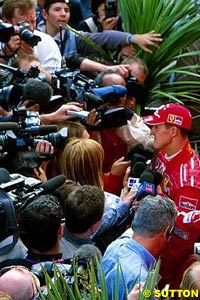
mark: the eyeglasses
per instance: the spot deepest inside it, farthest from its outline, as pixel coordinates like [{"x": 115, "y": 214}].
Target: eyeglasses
[{"x": 35, "y": 280}]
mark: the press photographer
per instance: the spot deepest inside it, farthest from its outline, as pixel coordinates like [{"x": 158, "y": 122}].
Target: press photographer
[{"x": 20, "y": 12}]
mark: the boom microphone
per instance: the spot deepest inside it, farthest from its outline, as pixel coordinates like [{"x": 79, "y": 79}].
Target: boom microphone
[
  {"x": 47, "y": 187},
  {"x": 8, "y": 126},
  {"x": 40, "y": 129},
  {"x": 52, "y": 184}
]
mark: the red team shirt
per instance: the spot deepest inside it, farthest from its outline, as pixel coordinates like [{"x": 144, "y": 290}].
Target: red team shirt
[
  {"x": 181, "y": 178},
  {"x": 181, "y": 182}
]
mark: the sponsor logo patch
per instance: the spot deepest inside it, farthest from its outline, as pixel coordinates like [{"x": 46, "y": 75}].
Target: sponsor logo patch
[
  {"x": 175, "y": 119},
  {"x": 188, "y": 203}
]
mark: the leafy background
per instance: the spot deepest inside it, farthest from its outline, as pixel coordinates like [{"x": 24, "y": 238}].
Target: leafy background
[{"x": 179, "y": 24}]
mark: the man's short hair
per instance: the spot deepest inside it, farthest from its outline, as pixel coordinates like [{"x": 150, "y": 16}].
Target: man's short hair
[
  {"x": 153, "y": 215},
  {"x": 83, "y": 208},
  {"x": 9, "y": 7},
  {"x": 40, "y": 222}
]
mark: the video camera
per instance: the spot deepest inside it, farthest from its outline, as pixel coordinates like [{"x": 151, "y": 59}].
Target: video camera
[
  {"x": 71, "y": 85},
  {"x": 75, "y": 273},
  {"x": 16, "y": 83},
  {"x": 22, "y": 28},
  {"x": 110, "y": 117},
  {"x": 16, "y": 192},
  {"x": 22, "y": 190},
  {"x": 25, "y": 134}
]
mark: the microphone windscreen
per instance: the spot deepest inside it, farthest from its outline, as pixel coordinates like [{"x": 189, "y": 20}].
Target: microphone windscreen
[
  {"x": 52, "y": 184},
  {"x": 137, "y": 170},
  {"x": 157, "y": 178},
  {"x": 147, "y": 177},
  {"x": 8, "y": 126},
  {"x": 138, "y": 148},
  {"x": 87, "y": 252},
  {"x": 37, "y": 91}
]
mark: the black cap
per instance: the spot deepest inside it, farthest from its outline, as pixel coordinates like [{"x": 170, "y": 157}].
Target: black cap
[{"x": 48, "y": 3}]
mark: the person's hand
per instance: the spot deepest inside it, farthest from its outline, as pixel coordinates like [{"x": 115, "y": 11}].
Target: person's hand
[
  {"x": 13, "y": 45},
  {"x": 60, "y": 115},
  {"x": 122, "y": 69},
  {"x": 24, "y": 48},
  {"x": 126, "y": 177},
  {"x": 119, "y": 167},
  {"x": 109, "y": 23},
  {"x": 134, "y": 293},
  {"x": 128, "y": 50},
  {"x": 40, "y": 174},
  {"x": 44, "y": 147},
  {"x": 91, "y": 118},
  {"x": 147, "y": 39},
  {"x": 127, "y": 196}
]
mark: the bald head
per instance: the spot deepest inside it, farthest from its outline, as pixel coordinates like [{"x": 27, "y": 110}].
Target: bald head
[
  {"x": 18, "y": 283},
  {"x": 110, "y": 79}
]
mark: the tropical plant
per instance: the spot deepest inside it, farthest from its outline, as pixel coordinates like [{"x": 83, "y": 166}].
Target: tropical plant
[
  {"x": 84, "y": 286},
  {"x": 179, "y": 23}
]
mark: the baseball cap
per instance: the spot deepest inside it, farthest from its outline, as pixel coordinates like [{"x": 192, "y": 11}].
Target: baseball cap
[
  {"x": 172, "y": 114},
  {"x": 48, "y": 3}
]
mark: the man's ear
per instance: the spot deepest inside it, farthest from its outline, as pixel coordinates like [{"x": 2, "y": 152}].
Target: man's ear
[
  {"x": 174, "y": 131},
  {"x": 60, "y": 232},
  {"x": 44, "y": 13},
  {"x": 94, "y": 227}
]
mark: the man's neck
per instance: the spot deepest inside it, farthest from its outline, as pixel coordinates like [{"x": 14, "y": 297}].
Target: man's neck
[
  {"x": 52, "y": 31},
  {"x": 175, "y": 147}
]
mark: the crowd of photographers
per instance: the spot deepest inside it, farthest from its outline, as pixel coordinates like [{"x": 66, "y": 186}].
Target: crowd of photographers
[{"x": 78, "y": 166}]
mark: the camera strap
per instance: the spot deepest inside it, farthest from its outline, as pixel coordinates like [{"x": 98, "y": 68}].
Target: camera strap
[{"x": 64, "y": 41}]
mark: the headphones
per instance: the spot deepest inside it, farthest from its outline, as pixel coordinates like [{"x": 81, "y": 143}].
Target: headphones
[{"x": 11, "y": 225}]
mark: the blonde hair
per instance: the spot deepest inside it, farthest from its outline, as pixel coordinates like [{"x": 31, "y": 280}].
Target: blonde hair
[
  {"x": 190, "y": 280},
  {"x": 81, "y": 161}
]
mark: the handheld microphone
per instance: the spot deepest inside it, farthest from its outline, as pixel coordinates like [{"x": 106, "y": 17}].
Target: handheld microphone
[
  {"x": 147, "y": 186},
  {"x": 157, "y": 176},
  {"x": 85, "y": 255},
  {"x": 140, "y": 150},
  {"x": 134, "y": 179}
]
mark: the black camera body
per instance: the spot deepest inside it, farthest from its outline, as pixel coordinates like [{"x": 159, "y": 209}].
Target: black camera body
[
  {"x": 111, "y": 8},
  {"x": 22, "y": 28},
  {"x": 135, "y": 89},
  {"x": 13, "y": 82},
  {"x": 71, "y": 85}
]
